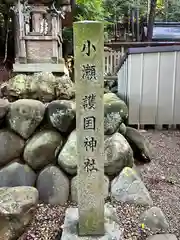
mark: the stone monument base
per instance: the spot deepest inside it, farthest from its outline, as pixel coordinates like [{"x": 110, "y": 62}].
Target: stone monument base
[
  {"x": 70, "y": 229},
  {"x": 39, "y": 67}
]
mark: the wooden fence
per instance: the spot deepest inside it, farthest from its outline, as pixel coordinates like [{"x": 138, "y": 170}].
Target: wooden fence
[
  {"x": 111, "y": 61},
  {"x": 114, "y": 51}
]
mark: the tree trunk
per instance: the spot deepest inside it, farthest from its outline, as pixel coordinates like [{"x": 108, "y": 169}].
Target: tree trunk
[{"x": 151, "y": 20}]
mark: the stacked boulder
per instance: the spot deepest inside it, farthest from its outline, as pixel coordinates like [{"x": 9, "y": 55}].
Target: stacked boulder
[
  {"x": 38, "y": 137},
  {"x": 38, "y": 143}
]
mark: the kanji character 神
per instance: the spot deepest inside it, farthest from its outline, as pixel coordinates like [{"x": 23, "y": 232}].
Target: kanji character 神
[{"x": 90, "y": 143}]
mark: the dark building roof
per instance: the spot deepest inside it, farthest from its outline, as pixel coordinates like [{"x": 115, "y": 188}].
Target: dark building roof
[{"x": 169, "y": 31}]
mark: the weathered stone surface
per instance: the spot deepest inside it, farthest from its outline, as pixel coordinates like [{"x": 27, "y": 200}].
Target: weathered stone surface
[
  {"x": 142, "y": 148},
  {"x": 118, "y": 154},
  {"x": 65, "y": 88},
  {"x": 122, "y": 129},
  {"x": 137, "y": 169},
  {"x": 17, "y": 207},
  {"x": 74, "y": 188},
  {"x": 17, "y": 86},
  {"x": 70, "y": 229},
  {"x": 110, "y": 213},
  {"x": 25, "y": 115},
  {"x": 128, "y": 187},
  {"x": 42, "y": 86},
  {"x": 11, "y": 146},
  {"x": 114, "y": 89},
  {"x": 107, "y": 90},
  {"x": 17, "y": 174},
  {"x": 68, "y": 158},
  {"x": 115, "y": 111},
  {"x": 162, "y": 237},
  {"x": 53, "y": 186},
  {"x": 4, "y": 106},
  {"x": 154, "y": 219},
  {"x": 42, "y": 148},
  {"x": 110, "y": 82},
  {"x": 61, "y": 114},
  {"x": 90, "y": 126}
]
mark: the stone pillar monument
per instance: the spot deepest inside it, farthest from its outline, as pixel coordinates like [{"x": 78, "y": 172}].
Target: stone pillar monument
[
  {"x": 89, "y": 57},
  {"x": 88, "y": 221}
]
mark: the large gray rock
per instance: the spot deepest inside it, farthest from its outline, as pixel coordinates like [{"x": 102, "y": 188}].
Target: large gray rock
[
  {"x": 112, "y": 98},
  {"x": 154, "y": 219},
  {"x": 115, "y": 111},
  {"x": 162, "y": 237},
  {"x": 25, "y": 115},
  {"x": 141, "y": 146},
  {"x": 17, "y": 207},
  {"x": 41, "y": 86},
  {"x": 64, "y": 88},
  {"x": 74, "y": 188},
  {"x": 118, "y": 154},
  {"x": 42, "y": 148},
  {"x": 53, "y": 186},
  {"x": 61, "y": 114},
  {"x": 128, "y": 187},
  {"x": 68, "y": 158},
  {"x": 17, "y": 174},
  {"x": 11, "y": 146}
]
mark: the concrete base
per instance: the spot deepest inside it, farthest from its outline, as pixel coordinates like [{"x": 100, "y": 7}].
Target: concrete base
[
  {"x": 38, "y": 67},
  {"x": 70, "y": 230}
]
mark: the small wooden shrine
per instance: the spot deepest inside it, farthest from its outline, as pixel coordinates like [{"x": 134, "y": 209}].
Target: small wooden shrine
[{"x": 38, "y": 40}]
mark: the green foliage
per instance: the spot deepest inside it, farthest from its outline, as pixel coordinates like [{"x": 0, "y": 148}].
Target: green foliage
[
  {"x": 89, "y": 10},
  {"x": 111, "y": 11},
  {"x": 165, "y": 10},
  {"x": 173, "y": 11},
  {"x": 120, "y": 8}
]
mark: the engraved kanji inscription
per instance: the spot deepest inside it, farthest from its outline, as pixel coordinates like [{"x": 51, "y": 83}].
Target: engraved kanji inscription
[
  {"x": 89, "y": 123},
  {"x": 89, "y": 72},
  {"x": 89, "y": 101},
  {"x": 88, "y": 47},
  {"x": 90, "y": 144},
  {"x": 90, "y": 165}
]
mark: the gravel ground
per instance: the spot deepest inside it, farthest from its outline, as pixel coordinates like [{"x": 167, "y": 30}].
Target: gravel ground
[
  {"x": 161, "y": 177},
  {"x": 46, "y": 224}
]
